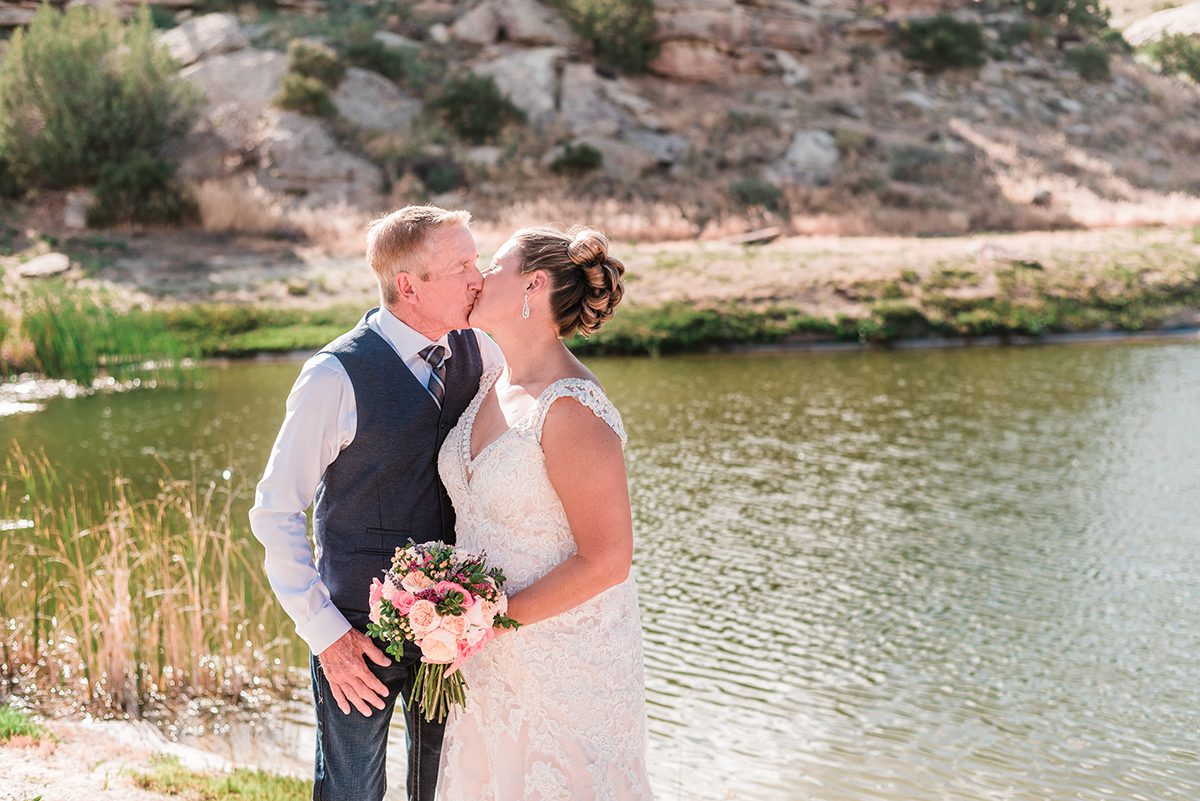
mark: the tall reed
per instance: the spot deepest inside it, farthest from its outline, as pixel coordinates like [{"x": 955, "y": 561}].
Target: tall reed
[
  {"x": 113, "y": 602},
  {"x": 75, "y": 334}
]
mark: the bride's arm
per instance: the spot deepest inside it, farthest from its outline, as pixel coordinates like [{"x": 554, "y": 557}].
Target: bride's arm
[{"x": 587, "y": 469}]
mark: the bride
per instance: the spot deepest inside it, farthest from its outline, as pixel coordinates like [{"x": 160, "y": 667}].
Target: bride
[{"x": 535, "y": 469}]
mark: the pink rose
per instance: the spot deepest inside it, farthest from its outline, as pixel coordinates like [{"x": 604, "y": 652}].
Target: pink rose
[
  {"x": 455, "y": 624},
  {"x": 376, "y": 591},
  {"x": 445, "y": 587},
  {"x": 423, "y": 617},
  {"x": 439, "y": 647},
  {"x": 415, "y": 581},
  {"x": 374, "y": 616},
  {"x": 403, "y": 601}
]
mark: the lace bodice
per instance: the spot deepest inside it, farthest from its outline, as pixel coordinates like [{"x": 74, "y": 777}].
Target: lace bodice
[
  {"x": 555, "y": 710},
  {"x": 503, "y": 497}
]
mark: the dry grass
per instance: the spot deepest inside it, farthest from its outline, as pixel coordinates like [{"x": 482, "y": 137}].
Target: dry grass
[
  {"x": 115, "y": 601},
  {"x": 232, "y": 205}
]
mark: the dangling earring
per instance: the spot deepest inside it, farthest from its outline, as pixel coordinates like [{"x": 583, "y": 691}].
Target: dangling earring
[{"x": 525, "y": 307}]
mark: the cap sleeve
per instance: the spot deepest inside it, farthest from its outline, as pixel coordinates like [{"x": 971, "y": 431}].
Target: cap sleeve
[{"x": 586, "y": 392}]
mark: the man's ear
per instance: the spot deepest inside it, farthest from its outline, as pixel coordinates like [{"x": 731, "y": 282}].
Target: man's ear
[{"x": 406, "y": 286}]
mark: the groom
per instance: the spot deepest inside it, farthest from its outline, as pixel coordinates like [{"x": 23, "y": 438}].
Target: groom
[{"x": 364, "y": 423}]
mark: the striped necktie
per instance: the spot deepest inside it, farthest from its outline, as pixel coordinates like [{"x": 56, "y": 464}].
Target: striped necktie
[{"x": 435, "y": 355}]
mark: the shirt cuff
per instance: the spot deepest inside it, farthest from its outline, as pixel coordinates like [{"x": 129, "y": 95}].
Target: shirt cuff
[{"x": 323, "y": 629}]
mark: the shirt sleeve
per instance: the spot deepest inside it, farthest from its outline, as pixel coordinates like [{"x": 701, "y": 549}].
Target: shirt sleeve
[
  {"x": 489, "y": 351},
  {"x": 320, "y": 421}
]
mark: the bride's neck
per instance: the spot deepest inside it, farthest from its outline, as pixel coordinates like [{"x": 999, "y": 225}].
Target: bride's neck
[{"x": 532, "y": 360}]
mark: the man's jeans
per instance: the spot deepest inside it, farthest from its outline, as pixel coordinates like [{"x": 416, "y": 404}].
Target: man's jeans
[{"x": 352, "y": 749}]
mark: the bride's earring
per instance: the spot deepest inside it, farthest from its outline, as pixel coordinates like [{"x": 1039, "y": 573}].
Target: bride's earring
[{"x": 525, "y": 307}]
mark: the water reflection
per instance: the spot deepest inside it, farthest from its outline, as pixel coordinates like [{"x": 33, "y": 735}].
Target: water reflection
[{"x": 914, "y": 575}]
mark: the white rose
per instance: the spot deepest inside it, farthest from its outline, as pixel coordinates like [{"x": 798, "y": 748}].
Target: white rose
[{"x": 439, "y": 647}]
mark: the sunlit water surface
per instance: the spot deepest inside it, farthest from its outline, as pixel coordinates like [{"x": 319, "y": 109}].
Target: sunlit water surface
[{"x": 910, "y": 575}]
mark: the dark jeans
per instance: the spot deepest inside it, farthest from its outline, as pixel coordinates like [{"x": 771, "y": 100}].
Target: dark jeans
[{"x": 352, "y": 749}]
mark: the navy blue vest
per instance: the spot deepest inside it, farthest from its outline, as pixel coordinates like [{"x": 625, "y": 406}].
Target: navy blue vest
[{"x": 383, "y": 488}]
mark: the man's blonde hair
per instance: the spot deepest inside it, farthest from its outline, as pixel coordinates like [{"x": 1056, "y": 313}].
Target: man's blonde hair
[{"x": 396, "y": 243}]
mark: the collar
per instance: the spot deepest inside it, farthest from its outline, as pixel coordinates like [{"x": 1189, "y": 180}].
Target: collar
[{"x": 406, "y": 341}]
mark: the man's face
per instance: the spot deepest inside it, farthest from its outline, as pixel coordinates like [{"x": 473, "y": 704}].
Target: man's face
[{"x": 447, "y": 293}]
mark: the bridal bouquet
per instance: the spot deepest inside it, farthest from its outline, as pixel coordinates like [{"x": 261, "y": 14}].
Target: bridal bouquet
[{"x": 447, "y": 601}]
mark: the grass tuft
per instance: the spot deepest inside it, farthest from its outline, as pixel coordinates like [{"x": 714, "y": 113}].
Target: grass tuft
[{"x": 168, "y": 777}]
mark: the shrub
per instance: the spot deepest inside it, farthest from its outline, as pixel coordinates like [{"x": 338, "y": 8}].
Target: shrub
[
  {"x": 750, "y": 192},
  {"x": 306, "y": 95},
  {"x": 80, "y": 89},
  {"x": 9, "y": 186},
  {"x": 315, "y": 60},
  {"x": 473, "y": 107},
  {"x": 140, "y": 190},
  {"x": 439, "y": 174},
  {"x": 942, "y": 42},
  {"x": 1090, "y": 61},
  {"x": 399, "y": 64},
  {"x": 914, "y": 163},
  {"x": 577, "y": 158},
  {"x": 621, "y": 32},
  {"x": 1090, "y": 15},
  {"x": 1176, "y": 54}
]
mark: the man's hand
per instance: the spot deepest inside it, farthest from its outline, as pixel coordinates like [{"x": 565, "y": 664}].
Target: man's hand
[{"x": 348, "y": 676}]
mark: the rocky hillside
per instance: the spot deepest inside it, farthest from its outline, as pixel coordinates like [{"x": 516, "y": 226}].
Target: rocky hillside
[{"x": 828, "y": 116}]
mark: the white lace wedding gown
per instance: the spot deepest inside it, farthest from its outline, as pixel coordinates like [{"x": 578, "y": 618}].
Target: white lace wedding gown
[{"x": 555, "y": 710}]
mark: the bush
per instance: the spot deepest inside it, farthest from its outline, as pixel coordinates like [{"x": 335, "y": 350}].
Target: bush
[
  {"x": 1176, "y": 54},
  {"x": 942, "y": 43},
  {"x": 314, "y": 60},
  {"x": 141, "y": 190},
  {"x": 915, "y": 164},
  {"x": 439, "y": 174},
  {"x": 401, "y": 65},
  {"x": 306, "y": 95},
  {"x": 621, "y": 32},
  {"x": 9, "y": 187},
  {"x": 1090, "y": 15},
  {"x": 473, "y": 107},
  {"x": 80, "y": 89},
  {"x": 750, "y": 192},
  {"x": 577, "y": 159},
  {"x": 1090, "y": 61}
]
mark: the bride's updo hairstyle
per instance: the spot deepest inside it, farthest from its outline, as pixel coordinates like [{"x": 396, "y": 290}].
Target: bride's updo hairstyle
[{"x": 585, "y": 282}]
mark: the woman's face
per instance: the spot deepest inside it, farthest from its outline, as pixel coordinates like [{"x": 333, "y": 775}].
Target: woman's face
[{"x": 499, "y": 303}]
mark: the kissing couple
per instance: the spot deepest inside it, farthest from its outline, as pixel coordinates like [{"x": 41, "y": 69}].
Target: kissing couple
[{"x": 417, "y": 425}]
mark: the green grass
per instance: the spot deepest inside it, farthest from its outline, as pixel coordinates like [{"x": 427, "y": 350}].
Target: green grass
[
  {"x": 14, "y": 723},
  {"x": 168, "y": 777}
]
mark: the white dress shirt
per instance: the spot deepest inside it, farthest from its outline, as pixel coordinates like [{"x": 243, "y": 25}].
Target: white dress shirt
[{"x": 320, "y": 421}]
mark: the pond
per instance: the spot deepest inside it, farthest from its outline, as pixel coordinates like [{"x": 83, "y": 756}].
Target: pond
[{"x": 966, "y": 574}]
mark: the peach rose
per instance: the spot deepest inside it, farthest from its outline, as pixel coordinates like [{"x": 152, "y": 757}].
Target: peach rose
[
  {"x": 374, "y": 616},
  {"x": 415, "y": 581},
  {"x": 455, "y": 624},
  {"x": 445, "y": 587},
  {"x": 439, "y": 647},
  {"x": 423, "y": 617}
]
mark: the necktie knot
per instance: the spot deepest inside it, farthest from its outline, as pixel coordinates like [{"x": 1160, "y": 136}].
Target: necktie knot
[{"x": 435, "y": 356}]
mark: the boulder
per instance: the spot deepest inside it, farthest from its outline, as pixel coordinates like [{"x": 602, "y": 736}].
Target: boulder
[
  {"x": 529, "y": 78},
  {"x": 299, "y": 159},
  {"x": 687, "y": 60},
  {"x": 732, "y": 27},
  {"x": 371, "y": 101},
  {"x": 238, "y": 87},
  {"x": 622, "y": 160},
  {"x": 483, "y": 155},
  {"x": 395, "y": 41},
  {"x": 16, "y": 17},
  {"x": 795, "y": 74},
  {"x": 1185, "y": 20},
  {"x": 665, "y": 148},
  {"x": 205, "y": 35},
  {"x": 527, "y": 22},
  {"x": 75, "y": 212},
  {"x": 44, "y": 266},
  {"x": 811, "y": 158}
]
